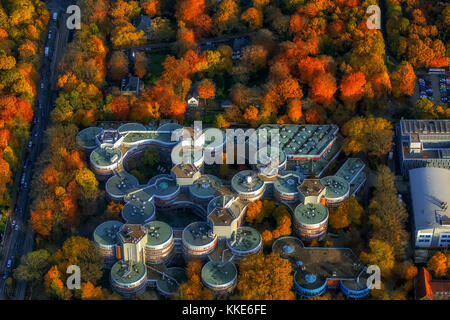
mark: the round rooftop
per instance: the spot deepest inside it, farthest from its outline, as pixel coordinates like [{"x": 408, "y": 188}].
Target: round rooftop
[
  {"x": 119, "y": 186},
  {"x": 247, "y": 239},
  {"x": 86, "y": 137},
  {"x": 138, "y": 212},
  {"x": 288, "y": 183},
  {"x": 131, "y": 127},
  {"x": 311, "y": 213},
  {"x": 336, "y": 187},
  {"x": 287, "y": 246},
  {"x": 101, "y": 157},
  {"x": 196, "y": 234},
  {"x": 217, "y": 273},
  {"x": 164, "y": 186},
  {"x": 106, "y": 233},
  {"x": 120, "y": 272},
  {"x": 204, "y": 187},
  {"x": 158, "y": 233},
  {"x": 170, "y": 126},
  {"x": 246, "y": 181},
  {"x": 308, "y": 280}
]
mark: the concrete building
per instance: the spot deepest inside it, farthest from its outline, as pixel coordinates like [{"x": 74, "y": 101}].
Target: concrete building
[
  {"x": 317, "y": 269},
  {"x": 311, "y": 221},
  {"x": 160, "y": 242},
  {"x": 311, "y": 191},
  {"x": 198, "y": 240},
  {"x": 128, "y": 278},
  {"x": 430, "y": 197},
  {"x": 105, "y": 236},
  {"x": 337, "y": 190},
  {"x": 132, "y": 239},
  {"x": 423, "y": 143},
  {"x": 220, "y": 277}
]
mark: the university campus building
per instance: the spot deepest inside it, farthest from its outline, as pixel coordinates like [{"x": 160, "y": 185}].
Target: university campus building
[{"x": 140, "y": 250}]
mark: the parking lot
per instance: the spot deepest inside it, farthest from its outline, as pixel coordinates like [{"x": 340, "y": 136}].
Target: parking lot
[{"x": 434, "y": 86}]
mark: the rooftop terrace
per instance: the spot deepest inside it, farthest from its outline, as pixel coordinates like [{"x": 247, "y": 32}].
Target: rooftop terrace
[
  {"x": 122, "y": 272},
  {"x": 247, "y": 239},
  {"x": 219, "y": 273},
  {"x": 198, "y": 234},
  {"x": 246, "y": 181},
  {"x": 288, "y": 183},
  {"x": 337, "y": 263},
  {"x": 158, "y": 232},
  {"x": 105, "y": 233},
  {"x": 311, "y": 213},
  {"x": 205, "y": 186},
  {"x": 336, "y": 186}
]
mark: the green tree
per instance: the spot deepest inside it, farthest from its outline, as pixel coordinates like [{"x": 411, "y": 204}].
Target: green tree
[
  {"x": 88, "y": 182},
  {"x": 33, "y": 267}
]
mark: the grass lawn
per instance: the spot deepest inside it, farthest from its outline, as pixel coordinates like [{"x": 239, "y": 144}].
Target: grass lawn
[{"x": 155, "y": 67}]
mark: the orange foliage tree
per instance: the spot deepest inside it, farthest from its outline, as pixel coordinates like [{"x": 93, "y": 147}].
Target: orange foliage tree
[
  {"x": 438, "y": 264},
  {"x": 265, "y": 277},
  {"x": 323, "y": 88},
  {"x": 403, "y": 80},
  {"x": 352, "y": 87},
  {"x": 193, "y": 288},
  {"x": 206, "y": 89}
]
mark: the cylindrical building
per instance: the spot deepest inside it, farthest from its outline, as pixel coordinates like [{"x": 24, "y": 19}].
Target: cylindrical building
[
  {"x": 356, "y": 288},
  {"x": 198, "y": 240},
  {"x": 248, "y": 185},
  {"x": 138, "y": 211},
  {"x": 164, "y": 189},
  {"x": 337, "y": 189},
  {"x": 104, "y": 161},
  {"x": 105, "y": 236},
  {"x": 220, "y": 277},
  {"x": 246, "y": 241},
  {"x": 204, "y": 188},
  {"x": 119, "y": 185},
  {"x": 86, "y": 138},
  {"x": 128, "y": 278},
  {"x": 310, "y": 221},
  {"x": 309, "y": 285},
  {"x": 286, "y": 187},
  {"x": 160, "y": 242}
]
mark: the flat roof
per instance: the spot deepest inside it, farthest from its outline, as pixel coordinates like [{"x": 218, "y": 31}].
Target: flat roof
[
  {"x": 336, "y": 186},
  {"x": 184, "y": 170},
  {"x": 167, "y": 284},
  {"x": 196, "y": 234},
  {"x": 288, "y": 182},
  {"x": 247, "y": 239},
  {"x": 205, "y": 186},
  {"x": 102, "y": 157},
  {"x": 425, "y": 126},
  {"x": 121, "y": 184},
  {"x": 121, "y": 272},
  {"x": 162, "y": 187},
  {"x": 158, "y": 232},
  {"x": 131, "y": 127},
  {"x": 221, "y": 216},
  {"x": 311, "y": 187},
  {"x": 334, "y": 263},
  {"x": 350, "y": 169},
  {"x": 218, "y": 202},
  {"x": 137, "y": 212},
  {"x": 149, "y": 135},
  {"x": 106, "y": 232},
  {"x": 246, "y": 181},
  {"x": 131, "y": 233},
  {"x": 311, "y": 213},
  {"x": 219, "y": 273},
  {"x": 303, "y": 140},
  {"x": 86, "y": 137},
  {"x": 429, "y": 192}
]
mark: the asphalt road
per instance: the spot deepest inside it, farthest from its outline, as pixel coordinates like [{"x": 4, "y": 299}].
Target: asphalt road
[{"x": 19, "y": 236}]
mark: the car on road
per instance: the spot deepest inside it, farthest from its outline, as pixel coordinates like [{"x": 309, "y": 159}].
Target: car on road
[
  {"x": 36, "y": 133},
  {"x": 42, "y": 85},
  {"x": 27, "y": 162},
  {"x": 30, "y": 144},
  {"x": 8, "y": 265},
  {"x": 25, "y": 185},
  {"x": 16, "y": 227},
  {"x": 13, "y": 223},
  {"x": 22, "y": 181}
]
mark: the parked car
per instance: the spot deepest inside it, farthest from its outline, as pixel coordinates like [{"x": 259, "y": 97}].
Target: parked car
[{"x": 8, "y": 265}]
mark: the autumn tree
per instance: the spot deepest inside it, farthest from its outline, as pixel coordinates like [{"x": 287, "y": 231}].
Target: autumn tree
[
  {"x": 295, "y": 110},
  {"x": 88, "y": 183},
  {"x": 387, "y": 214},
  {"x": 381, "y": 254},
  {"x": 118, "y": 65},
  {"x": 140, "y": 65},
  {"x": 33, "y": 267},
  {"x": 254, "y": 212},
  {"x": 403, "y": 80},
  {"x": 151, "y": 7},
  {"x": 323, "y": 88},
  {"x": 193, "y": 288},
  {"x": 221, "y": 122},
  {"x": 438, "y": 264},
  {"x": 226, "y": 17},
  {"x": 371, "y": 135},
  {"x": 90, "y": 292},
  {"x": 120, "y": 107},
  {"x": 206, "y": 89},
  {"x": 253, "y": 17},
  {"x": 347, "y": 213},
  {"x": 352, "y": 87},
  {"x": 265, "y": 277}
]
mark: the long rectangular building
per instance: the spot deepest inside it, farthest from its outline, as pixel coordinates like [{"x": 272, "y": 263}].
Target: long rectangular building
[{"x": 423, "y": 143}]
